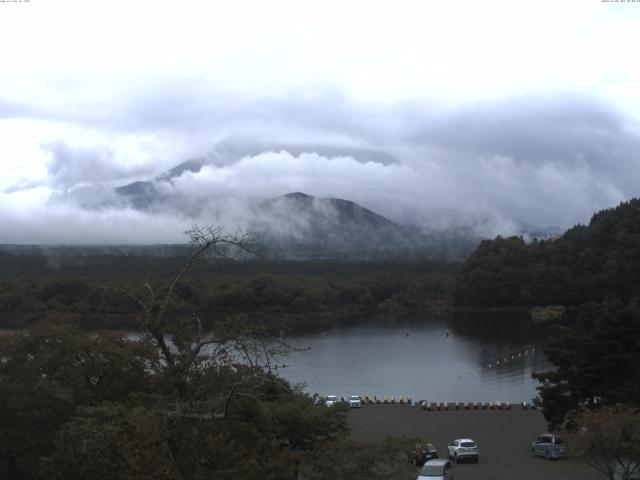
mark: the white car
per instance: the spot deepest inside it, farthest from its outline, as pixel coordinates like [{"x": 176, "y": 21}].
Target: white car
[
  {"x": 436, "y": 470},
  {"x": 331, "y": 400},
  {"x": 355, "y": 401},
  {"x": 463, "y": 448}
]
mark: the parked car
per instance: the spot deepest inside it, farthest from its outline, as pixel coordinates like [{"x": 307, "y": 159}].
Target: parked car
[
  {"x": 331, "y": 400},
  {"x": 423, "y": 452},
  {"x": 463, "y": 449},
  {"x": 355, "y": 401},
  {"x": 436, "y": 470},
  {"x": 549, "y": 446}
]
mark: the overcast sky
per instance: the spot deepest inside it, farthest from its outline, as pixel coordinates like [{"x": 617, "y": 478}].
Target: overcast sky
[{"x": 432, "y": 113}]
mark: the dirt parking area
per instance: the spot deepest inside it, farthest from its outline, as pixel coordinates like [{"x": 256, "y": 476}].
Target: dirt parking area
[{"x": 504, "y": 438}]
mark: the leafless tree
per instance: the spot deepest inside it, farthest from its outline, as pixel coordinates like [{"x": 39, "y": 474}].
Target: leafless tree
[{"x": 184, "y": 345}]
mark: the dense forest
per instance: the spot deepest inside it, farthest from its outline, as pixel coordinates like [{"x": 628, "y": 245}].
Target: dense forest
[
  {"x": 586, "y": 264},
  {"x": 177, "y": 401},
  {"x": 293, "y": 295}
]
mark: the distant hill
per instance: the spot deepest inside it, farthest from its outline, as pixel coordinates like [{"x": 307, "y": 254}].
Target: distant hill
[
  {"x": 585, "y": 264},
  {"x": 297, "y": 225}
]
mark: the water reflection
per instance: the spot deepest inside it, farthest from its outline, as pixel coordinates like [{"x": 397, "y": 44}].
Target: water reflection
[
  {"x": 455, "y": 357},
  {"x": 481, "y": 359}
]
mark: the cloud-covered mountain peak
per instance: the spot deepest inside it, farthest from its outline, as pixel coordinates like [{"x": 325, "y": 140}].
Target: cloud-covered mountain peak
[
  {"x": 298, "y": 225},
  {"x": 333, "y": 212}
]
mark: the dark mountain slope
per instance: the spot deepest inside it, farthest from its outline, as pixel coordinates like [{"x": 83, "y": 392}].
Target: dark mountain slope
[{"x": 302, "y": 226}]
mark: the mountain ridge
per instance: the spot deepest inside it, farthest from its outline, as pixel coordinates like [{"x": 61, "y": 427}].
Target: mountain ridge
[{"x": 300, "y": 225}]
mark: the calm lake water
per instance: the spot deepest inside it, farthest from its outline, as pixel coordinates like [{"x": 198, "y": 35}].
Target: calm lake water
[
  {"x": 483, "y": 358},
  {"x": 488, "y": 358}
]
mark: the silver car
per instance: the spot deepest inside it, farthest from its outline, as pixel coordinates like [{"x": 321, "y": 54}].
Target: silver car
[
  {"x": 355, "y": 401},
  {"x": 549, "y": 446},
  {"x": 436, "y": 470},
  {"x": 462, "y": 449}
]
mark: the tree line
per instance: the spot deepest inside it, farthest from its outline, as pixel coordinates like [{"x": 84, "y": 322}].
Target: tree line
[
  {"x": 297, "y": 295},
  {"x": 586, "y": 264}
]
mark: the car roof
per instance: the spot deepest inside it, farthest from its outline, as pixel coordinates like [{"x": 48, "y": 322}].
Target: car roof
[
  {"x": 425, "y": 445},
  {"x": 465, "y": 440},
  {"x": 437, "y": 461}
]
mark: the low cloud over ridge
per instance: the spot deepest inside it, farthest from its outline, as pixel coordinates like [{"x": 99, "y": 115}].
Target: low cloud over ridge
[{"x": 549, "y": 160}]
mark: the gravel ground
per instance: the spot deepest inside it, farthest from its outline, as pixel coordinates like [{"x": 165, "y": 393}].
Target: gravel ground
[{"x": 504, "y": 438}]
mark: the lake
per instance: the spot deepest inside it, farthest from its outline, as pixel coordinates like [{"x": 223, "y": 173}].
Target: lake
[{"x": 454, "y": 357}]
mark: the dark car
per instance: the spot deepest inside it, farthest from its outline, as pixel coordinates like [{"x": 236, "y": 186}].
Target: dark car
[{"x": 423, "y": 452}]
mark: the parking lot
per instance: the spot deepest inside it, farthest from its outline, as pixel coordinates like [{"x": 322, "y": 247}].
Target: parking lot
[{"x": 504, "y": 438}]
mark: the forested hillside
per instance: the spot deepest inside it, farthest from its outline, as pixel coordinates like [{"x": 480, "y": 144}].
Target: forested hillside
[
  {"x": 586, "y": 264},
  {"x": 596, "y": 270},
  {"x": 298, "y": 296}
]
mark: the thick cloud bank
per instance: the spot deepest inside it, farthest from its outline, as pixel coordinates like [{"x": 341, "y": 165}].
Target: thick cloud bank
[{"x": 486, "y": 167}]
